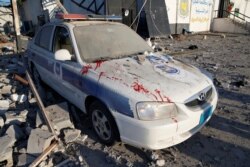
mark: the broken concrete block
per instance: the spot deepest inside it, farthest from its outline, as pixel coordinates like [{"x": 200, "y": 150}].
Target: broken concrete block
[
  {"x": 160, "y": 162},
  {"x": 7, "y": 156},
  {"x": 4, "y": 106},
  {"x": 32, "y": 100},
  {"x": 6, "y": 89},
  {"x": 24, "y": 113},
  {"x": 5, "y": 80},
  {"x": 22, "y": 151},
  {"x": 39, "y": 120},
  {"x": 38, "y": 141},
  {"x": 25, "y": 159},
  {"x": 59, "y": 116},
  {"x": 44, "y": 127},
  {"x": 18, "y": 98},
  {"x": 14, "y": 118},
  {"x": 15, "y": 132},
  {"x": 6, "y": 144},
  {"x": 71, "y": 135},
  {"x": 1, "y": 122}
]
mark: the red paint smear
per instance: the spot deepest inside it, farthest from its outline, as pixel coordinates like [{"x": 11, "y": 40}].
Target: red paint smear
[
  {"x": 154, "y": 96},
  {"x": 100, "y": 75},
  {"x": 159, "y": 93},
  {"x": 125, "y": 84},
  {"x": 85, "y": 69},
  {"x": 98, "y": 64},
  {"x": 175, "y": 120},
  {"x": 114, "y": 78},
  {"x": 168, "y": 99},
  {"x": 139, "y": 88}
]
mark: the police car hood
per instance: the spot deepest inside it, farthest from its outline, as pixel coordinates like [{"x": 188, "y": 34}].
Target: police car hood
[{"x": 152, "y": 77}]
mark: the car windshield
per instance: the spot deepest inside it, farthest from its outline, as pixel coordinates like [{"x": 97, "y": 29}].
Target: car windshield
[{"x": 108, "y": 41}]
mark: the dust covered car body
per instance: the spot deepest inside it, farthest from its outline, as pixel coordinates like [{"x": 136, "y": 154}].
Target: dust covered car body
[{"x": 105, "y": 69}]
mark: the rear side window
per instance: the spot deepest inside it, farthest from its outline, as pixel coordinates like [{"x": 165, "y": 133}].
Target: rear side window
[{"x": 43, "y": 37}]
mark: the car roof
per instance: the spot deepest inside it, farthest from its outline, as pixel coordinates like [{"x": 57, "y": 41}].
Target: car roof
[{"x": 82, "y": 23}]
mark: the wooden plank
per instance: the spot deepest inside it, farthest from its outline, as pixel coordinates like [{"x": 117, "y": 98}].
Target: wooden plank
[
  {"x": 40, "y": 103},
  {"x": 46, "y": 152}
]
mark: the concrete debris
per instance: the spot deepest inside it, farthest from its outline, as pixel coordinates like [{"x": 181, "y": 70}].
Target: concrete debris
[
  {"x": 1, "y": 122},
  {"x": 4, "y": 106},
  {"x": 71, "y": 135},
  {"x": 32, "y": 100},
  {"x": 18, "y": 98},
  {"x": 39, "y": 119},
  {"x": 38, "y": 141},
  {"x": 160, "y": 162},
  {"x": 25, "y": 159},
  {"x": 14, "y": 118},
  {"x": 59, "y": 116},
  {"x": 24, "y": 113},
  {"x": 5, "y": 80},
  {"x": 6, "y": 89},
  {"x": 44, "y": 127},
  {"x": 154, "y": 156},
  {"x": 6, "y": 144},
  {"x": 15, "y": 132},
  {"x": 22, "y": 151}
]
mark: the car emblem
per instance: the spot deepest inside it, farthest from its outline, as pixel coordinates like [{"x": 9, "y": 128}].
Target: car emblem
[{"x": 202, "y": 96}]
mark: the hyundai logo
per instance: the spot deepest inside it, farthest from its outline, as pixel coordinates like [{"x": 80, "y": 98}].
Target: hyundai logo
[{"x": 202, "y": 96}]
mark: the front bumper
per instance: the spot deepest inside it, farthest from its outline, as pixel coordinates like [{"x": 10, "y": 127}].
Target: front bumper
[{"x": 161, "y": 134}]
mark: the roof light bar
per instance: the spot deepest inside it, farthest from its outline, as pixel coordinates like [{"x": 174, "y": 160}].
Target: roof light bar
[
  {"x": 71, "y": 16},
  {"x": 87, "y": 17}
]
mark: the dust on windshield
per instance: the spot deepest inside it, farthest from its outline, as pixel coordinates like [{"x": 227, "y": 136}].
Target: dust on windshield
[{"x": 108, "y": 41}]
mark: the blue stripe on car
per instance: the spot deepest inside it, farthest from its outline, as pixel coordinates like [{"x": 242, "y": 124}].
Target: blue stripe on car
[{"x": 91, "y": 87}]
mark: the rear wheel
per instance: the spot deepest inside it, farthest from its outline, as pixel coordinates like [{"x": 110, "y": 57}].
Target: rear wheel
[{"x": 103, "y": 123}]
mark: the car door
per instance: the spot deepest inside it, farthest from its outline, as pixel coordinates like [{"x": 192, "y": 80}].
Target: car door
[
  {"x": 68, "y": 80},
  {"x": 41, "y": 54}
]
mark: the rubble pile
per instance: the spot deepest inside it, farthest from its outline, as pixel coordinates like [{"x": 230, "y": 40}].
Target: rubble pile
[{"x": 23, "y": 132}]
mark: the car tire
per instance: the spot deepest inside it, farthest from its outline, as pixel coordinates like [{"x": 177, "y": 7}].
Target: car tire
[{"x": 103, "y": 123}]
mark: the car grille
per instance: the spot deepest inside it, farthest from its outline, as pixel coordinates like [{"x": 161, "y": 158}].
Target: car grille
[{"x": 197, "y": 102}]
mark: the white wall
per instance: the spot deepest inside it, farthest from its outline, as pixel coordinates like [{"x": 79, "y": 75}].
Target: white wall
[
  {"x": 243, "y": 6},
  {"x": 201, "y": 13},
  {"x": 196, "y": 13}
]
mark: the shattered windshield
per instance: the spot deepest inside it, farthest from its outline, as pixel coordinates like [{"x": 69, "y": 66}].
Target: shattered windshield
[{"x": 108, "y": 41}]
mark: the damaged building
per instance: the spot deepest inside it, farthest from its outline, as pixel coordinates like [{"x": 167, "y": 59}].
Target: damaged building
[{"x": 149, "y": 18}]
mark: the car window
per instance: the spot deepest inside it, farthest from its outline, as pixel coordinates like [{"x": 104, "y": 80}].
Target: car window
[
  {"x": 108, "y": 41},
  {"x": 62, "y": 40},
  {"x": 43, "y": 37}
]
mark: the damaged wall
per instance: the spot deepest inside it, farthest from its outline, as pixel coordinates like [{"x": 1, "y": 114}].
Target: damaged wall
[
  {"x": 6, "y": 20},
  {"x": 192, "y": 15}
]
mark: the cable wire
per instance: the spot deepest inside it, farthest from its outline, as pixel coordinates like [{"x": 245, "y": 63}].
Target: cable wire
[{"x": 139, "y": 13}]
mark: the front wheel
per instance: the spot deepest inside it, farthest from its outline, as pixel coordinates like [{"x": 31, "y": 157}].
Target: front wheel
[{"x": 103, "y": 123}]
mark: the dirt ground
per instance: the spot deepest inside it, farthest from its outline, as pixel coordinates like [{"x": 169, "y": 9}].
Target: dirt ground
[{"x": 225, "y": 140}]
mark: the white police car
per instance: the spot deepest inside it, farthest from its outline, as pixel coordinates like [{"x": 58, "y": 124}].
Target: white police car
[{"x": 109, "y": 72}]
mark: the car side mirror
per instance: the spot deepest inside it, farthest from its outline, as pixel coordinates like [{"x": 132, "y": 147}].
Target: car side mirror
[{"x": 63, "y": 55}]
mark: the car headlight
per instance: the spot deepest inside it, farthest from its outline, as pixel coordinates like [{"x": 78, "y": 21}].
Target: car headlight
[{"x": 155, "y": 110}]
